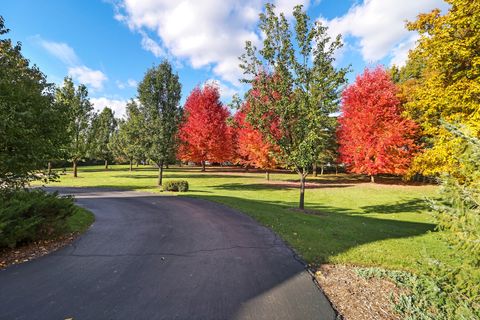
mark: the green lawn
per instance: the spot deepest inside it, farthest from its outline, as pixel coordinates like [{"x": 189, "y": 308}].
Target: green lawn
[
  {"x": 80, "y": 221},
  {"x": 358, "y": 223}
]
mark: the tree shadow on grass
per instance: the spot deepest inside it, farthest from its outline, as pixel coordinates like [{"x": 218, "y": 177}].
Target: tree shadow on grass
[
  {"x": 269, "y": 186},
  {"x": 167, "y": 175},
  {"x": 126, "y": 187},
  {"x": 413, "y": 205},
  {"x": 113, "y": 168},
  {"x": 332, "y": 231}
]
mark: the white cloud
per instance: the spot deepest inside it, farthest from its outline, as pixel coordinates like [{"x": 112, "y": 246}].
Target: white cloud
[
  {"x": 400, "y": 52},
  {"x": 132, "y": 83},
  {"x": 150, "y": 45},
  {"x": 87, "y": 76},
  {"x": 379, "y": 26},
  {"x": 286, "y": 6},
  {"x": 118, "y": 106},
  {"x": 226, "y": 92},
  {"x": 120, "y": 84},
  {"x": 129, "y": 83},
  {"x": 79, "y": 72},
  {"x": 208, "y": 33},
  {"x": 60, "y": 50}
]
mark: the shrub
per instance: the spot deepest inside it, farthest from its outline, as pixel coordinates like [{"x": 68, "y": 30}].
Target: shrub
[
  {"x": 176, "y": 185},
  {"x": 32, "y": 215}
]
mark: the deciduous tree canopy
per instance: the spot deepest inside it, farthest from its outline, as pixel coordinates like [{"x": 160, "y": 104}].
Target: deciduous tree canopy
[
  {"x": 79, "y": 113},
  {"x": 205, "y": 135},
  {"x": 373, "y": 136},
  {"x": 159, "y": 94},
  {"x": 103, "y": 128},
  {"x": 253, "y": 149},
  {"x": 295, "y": 87},
  {"x": 449, "y": 86},
  {"x": 32, "y": 126}
]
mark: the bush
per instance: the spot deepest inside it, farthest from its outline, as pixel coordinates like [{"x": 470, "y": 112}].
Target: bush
[
  {"x": 176, "y": 185},
  {"x": 32, "y": 215}
]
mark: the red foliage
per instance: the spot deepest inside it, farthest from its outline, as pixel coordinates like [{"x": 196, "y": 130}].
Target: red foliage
[
  {"x": 373, "y": 136},
  {"x": 205, "y": 135},
  {"x": 252, "y": 147}
]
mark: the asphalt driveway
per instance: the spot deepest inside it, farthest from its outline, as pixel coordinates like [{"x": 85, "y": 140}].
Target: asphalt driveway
[{"x": 163, "y": 257}]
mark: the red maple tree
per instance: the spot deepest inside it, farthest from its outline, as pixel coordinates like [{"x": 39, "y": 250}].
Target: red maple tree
[
  {"x": 252, "y": 148},
  {"x": 204, "y": 134},
  {"x": 373, "y": 136}
]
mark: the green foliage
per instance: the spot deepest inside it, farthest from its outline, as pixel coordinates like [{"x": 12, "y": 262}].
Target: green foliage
[
  {"x": 428, "y": 295},
  {"x": 128, "y": 141},
  {"x": 31, "y": 125},
  {"x": 176, "y": 185},
  {"x": 32, "y": 215},
  {"x": 400, "y": 278},
  {"x": 159, "y": 94},
  {"x": 102, "y": 129},
  {"x": 458, "y": 218},
  {"x": 442, "y": 290},
  {"x": 295, "y": 87},
  {"x": 78, "y": 109}
]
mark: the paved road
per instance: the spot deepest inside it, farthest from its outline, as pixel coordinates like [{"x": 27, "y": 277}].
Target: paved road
[{"x": 162, "y": 257}]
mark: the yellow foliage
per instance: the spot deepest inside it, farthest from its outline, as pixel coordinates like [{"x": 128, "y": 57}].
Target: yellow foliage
[{"x": 448, "y": 88}]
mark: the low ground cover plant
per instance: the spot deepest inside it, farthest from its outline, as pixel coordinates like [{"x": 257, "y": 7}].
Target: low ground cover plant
[
  {"x": 29, "y": 215},
  {"x": 176, "y": 185}
]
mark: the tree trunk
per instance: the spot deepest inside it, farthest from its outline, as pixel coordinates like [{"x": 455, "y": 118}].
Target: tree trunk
[
  {"x": 246, "y": 168},
  {"x": 267, "y": 175},
  {"x": 131, "y": 165},
  {"x": 137, "y": 164},
  {"x": 166, "y": 166},
  {"x": 160, "y": 173},
  {"x": 301, "y": 204},
  {"x": 49, "y": 168},
  {"x": 336, "y": 169},
  {"x": 75, "y": 174},
  {"x": 314, "y": 169},
  {"x": 106, "y": 164},
  {"x": 203, "y": 166},
  {"x": 321, "y": 169},
  {"x": 372, "y": 178}
]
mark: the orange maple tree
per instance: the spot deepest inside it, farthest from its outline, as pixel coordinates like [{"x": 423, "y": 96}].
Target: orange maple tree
[
  {"x": 252, "y": 147},
  {"x": 373, "y": 135},
  {"x": 205, "y": 134}
]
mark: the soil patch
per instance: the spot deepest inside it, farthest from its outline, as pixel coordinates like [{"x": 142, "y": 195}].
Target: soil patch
[
  {"x": 33, "y": 250},
  {"x": 357, "y": 298}
]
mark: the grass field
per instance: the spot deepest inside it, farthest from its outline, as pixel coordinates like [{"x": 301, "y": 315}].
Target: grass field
[
  {"x": 349, "y": 221},
  {"x": 79, "y": 221}
]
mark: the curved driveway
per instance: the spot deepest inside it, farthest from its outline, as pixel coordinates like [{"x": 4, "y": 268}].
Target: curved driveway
[{"x": 163, "y": 257}]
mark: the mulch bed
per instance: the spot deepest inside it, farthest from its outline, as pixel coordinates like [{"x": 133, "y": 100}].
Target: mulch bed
[
  {"x": 357, "y": 298},
  {"x": 33, "y": 250}
]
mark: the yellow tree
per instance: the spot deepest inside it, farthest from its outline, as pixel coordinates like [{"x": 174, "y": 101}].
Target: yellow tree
[{"x": 447, "y": 84}]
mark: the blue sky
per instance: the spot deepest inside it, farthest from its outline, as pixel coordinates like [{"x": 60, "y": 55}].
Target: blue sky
[{"x": 108, "y": 45}]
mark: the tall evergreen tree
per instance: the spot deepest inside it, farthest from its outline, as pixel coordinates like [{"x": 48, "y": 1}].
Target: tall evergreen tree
[
  {"x": 78, "y": 108},
  {"x": 159, "y": 94}
]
